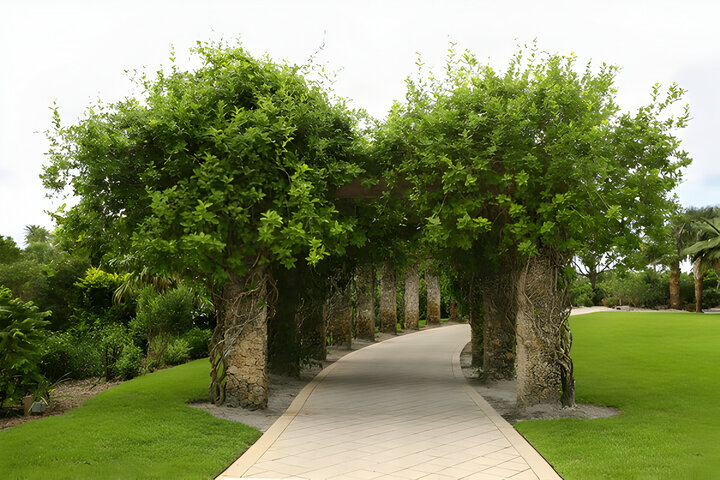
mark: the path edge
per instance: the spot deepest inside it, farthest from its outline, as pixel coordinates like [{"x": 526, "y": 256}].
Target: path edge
[
  {"x": 240, "y": 466},
  {"x": 538, "y": 464}
]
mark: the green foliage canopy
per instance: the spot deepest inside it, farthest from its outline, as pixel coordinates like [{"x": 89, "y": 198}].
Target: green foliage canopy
[
  {"x": 212, "y": 171},
  {"x": 538, "y": 156}
]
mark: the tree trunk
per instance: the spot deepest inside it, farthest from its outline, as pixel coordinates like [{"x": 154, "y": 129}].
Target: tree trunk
[
  {"x": 412, "y": 297},
  {"x": 454, "y": 311},
  {"x": 388, "y": 299},
  {"x": 698, "y": 277},
  {"x": 365, "y": 301},
  {"x": 499, "y": 298},
  {"x": 338, "y": 312},
  {"x": 675, "y": 285},
  {"x": 238, "y": 353},
  {"x": 432, "y": 282},
  {"x": 544, "y": 366}
]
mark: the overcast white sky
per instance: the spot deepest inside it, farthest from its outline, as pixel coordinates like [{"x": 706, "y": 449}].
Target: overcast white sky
[{"x": 74, "y": 52}]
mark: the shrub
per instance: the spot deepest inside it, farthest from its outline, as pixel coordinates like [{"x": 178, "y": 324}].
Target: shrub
[
  {"x": 177, "y": 352},
  {"x": 198, "y": 340},
  {"x": 22, "y": 329},
  {"x": 71, "y": 355},
  {"x": 129, "y": 363},
  {"x": 112, "y": 341},
  {"x": 581, "y": 293},
  {"x": 169, "y": 312},
  {"x": 638, "y": 289}
]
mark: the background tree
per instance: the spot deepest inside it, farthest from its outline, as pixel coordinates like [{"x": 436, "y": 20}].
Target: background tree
[
  {"x": 215, "y": 174},
  {"x": 705, "y": 253}
]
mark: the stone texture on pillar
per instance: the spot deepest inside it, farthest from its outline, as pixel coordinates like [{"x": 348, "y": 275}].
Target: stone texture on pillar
[
  {"x": 412, "y": 297},
  {"x": 338, "y": 313},
  {"x": 432, "y": 283},
  {"x": 544, "y": 366},
  {"x": 388, "y": 299},
  {"x": 499, "y": 299},
  {"x": 454, "y": 311},
  {"x": 365, "y": 301},
  {"x": 238, "y": 353}
]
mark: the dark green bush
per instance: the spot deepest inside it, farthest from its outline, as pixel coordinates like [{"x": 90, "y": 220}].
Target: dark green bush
[
  {"x": 112, "y": 340},
  {"x": 71, "y": 355},
  {"x": 581, "y": 293},
  {"x": 198, "y": 340},
  {"x": 647, "y": 288},
  {"x": 169, "y": 312},
  {"x": 129, "y": 363},
  {"x": 177, "y": 352},
  {"x": 22, "y": 329}
]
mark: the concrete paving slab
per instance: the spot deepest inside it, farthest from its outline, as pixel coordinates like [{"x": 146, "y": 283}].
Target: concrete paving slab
[{"x": 397, "y": 409}]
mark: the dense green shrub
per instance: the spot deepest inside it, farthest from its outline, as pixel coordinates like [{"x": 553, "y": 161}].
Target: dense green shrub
[
  {"x": 169, "y": 312},
  {"x": 71, "y": 354},
  {"x": 112, "y": 340},
  {"x": 581, "y": 293},
  {"x": 177, "y": 352},
  {"x": 22, "y": 328},
  {"x": 647, "y": 288},
  {"x": 198, "y": 339},
  {"x": 129, "y": 363}
]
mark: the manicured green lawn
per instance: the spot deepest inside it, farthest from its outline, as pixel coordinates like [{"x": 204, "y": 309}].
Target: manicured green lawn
[
  {"x": 139, "y": 429},
  {"x": 663, "y": 371}
]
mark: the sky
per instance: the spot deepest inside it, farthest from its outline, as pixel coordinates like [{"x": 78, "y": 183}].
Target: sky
[{"x": 76, "y": 52}]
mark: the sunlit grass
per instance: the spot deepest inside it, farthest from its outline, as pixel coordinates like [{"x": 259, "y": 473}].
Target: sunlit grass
[
  {"x": 139, "y": 429},
  {"x": 663, "y": 371}
]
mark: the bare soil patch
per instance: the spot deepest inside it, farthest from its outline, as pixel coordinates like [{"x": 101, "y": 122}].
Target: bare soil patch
[
  {"x": 66, "y": 396},
  {"x": 502, "y": 395}
]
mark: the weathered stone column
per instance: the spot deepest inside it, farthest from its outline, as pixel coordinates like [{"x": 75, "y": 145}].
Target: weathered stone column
[
  {"x": 338, "y": 313},
  {"x": 432, "y": 283},
  {"x": 412, "y": 297},
  {"x": 475, "y": 314},
  {"x": 365, "y": 301},
  {"x": 499, "y": 299},
  {"x": 544, "y": 366},
  {"x": 238, "y": 351},
  {"x": 388, "y": 299},
  {"x": 454, "y": 311}
]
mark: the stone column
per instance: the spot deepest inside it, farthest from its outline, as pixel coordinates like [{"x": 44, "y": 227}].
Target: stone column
[
  {"x": 412, "y": 297},
  {"x": 388, "y": 299}
]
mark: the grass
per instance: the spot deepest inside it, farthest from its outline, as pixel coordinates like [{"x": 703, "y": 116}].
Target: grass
[
  {"x": 139, "y": 429},
  {"x": 663, "y": 371}
]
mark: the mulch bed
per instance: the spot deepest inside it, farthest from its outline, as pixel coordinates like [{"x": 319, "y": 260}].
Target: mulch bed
[{"x": 66, "y": 396}]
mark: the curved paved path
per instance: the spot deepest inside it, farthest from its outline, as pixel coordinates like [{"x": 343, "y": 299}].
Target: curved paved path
[{"x": 399, "y": 409}]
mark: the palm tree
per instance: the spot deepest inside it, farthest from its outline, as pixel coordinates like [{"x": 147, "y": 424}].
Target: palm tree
[
  {"x": 36, "y": 234},
  {"x": 705, "y": 252}
]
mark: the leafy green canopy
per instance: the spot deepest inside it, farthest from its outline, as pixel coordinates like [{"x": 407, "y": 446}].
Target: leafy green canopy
[
  {"x": 212, "y": 171},
  {"x": 536, "y": 157}
]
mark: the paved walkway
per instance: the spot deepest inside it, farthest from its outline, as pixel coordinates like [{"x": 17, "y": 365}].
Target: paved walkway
[{"x": 399, "y": 409}]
